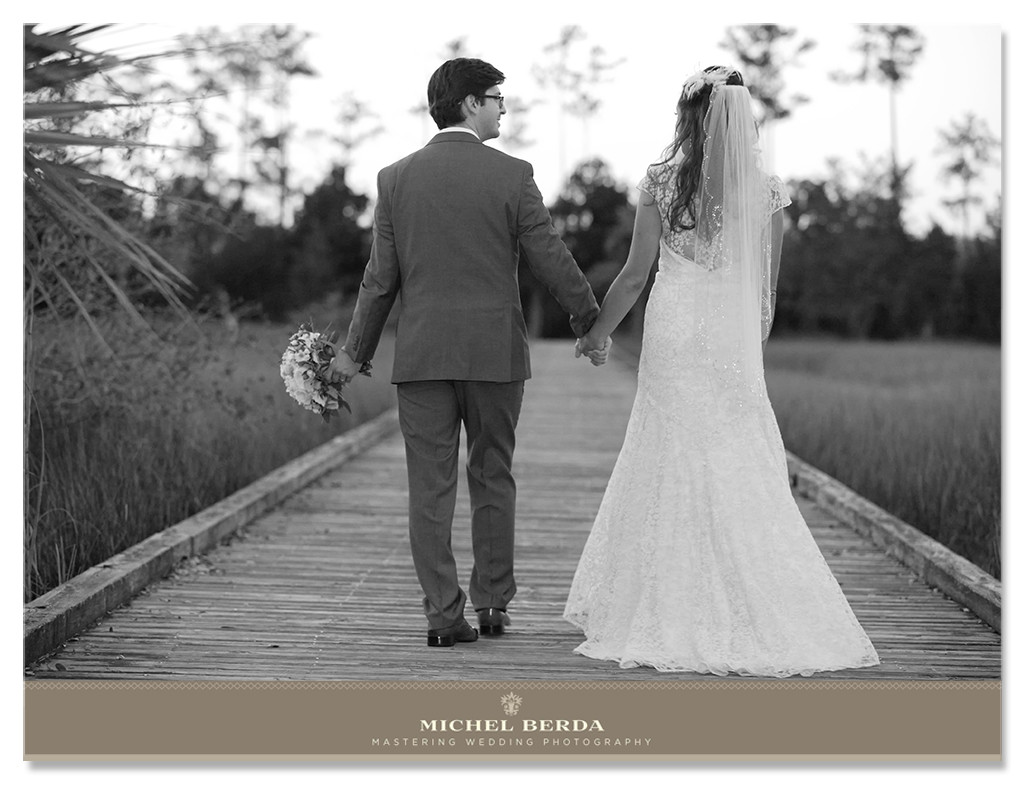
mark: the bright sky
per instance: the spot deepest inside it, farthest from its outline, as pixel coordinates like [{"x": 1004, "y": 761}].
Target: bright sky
[{"x": 387, "y": 65}]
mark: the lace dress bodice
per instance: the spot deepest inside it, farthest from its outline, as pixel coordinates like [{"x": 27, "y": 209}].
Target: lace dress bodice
[{"x": 660, "y": 183}]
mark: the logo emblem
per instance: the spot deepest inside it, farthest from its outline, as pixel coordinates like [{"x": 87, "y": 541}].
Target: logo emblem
[{"x": 511, "y": 704}]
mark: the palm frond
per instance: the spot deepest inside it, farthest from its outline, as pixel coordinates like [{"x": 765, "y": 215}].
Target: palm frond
[
  {"x": 50, "y": 109},
  {"x": 46, "y": 110},
  {"x": 72, "y": 293},
  {"x": 57, "y": 64},
  {"x": 54, "y": 184},
  {"x": 66, "y": 139}
]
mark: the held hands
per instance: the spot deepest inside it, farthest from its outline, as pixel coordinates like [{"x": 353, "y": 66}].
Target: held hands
[{"x": 596, "y": 351}]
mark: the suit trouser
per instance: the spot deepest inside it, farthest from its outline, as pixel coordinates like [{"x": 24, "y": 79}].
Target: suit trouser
[{"x": 432, "y": 414}]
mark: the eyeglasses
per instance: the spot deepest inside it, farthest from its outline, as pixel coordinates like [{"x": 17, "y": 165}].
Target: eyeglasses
[{"x": 499, "y": 99}]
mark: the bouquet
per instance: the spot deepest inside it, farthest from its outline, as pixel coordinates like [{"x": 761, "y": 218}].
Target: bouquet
[{"x": 304, "y": 367}]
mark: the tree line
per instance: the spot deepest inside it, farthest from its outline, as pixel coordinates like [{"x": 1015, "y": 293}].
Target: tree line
[{"x": 850, "y": 266}]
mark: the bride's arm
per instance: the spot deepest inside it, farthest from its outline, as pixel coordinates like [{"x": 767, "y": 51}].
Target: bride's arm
[
  {"x": 630, "y": 282},
  {"x": 776, "y": 247},
  {"x": 776, "y": 260}
]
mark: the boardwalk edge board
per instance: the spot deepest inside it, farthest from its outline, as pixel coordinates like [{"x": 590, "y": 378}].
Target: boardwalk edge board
[
  {"x": 67, "y": 610},
  {"x": 960, "y": 579}
]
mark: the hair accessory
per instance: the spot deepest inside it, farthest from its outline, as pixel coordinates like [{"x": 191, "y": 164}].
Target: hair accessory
[{"x": 716, "y": 76}]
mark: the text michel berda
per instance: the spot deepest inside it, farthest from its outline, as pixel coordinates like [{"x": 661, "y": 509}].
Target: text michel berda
[{"x": 504, "y": 724}]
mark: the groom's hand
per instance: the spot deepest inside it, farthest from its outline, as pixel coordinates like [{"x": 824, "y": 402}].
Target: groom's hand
[
  {"x": 597, "y": 353},
  {"x": 343, "y": 368}
]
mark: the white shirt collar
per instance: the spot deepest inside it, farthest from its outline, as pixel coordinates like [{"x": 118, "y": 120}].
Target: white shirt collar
[{"x": 458, "y": 128}]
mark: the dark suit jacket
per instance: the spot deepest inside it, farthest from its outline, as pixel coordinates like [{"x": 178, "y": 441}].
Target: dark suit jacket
[{"x": 448, "y": 228}]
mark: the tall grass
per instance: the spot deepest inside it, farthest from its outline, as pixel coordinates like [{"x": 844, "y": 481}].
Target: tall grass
[
  {"x": 912, "y": 426},
  {"x": 122, "y": 448}
]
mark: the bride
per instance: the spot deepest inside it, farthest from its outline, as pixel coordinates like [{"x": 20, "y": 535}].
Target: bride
[{"x": 699, "y": 559}]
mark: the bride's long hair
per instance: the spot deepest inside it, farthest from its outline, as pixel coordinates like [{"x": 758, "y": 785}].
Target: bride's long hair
[{"x": 691, "y": 112}]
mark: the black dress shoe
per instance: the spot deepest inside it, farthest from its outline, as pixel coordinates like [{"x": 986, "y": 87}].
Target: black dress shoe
[
  {"x": 446, "y": 637},
  {"x": 492, "y": 621}
]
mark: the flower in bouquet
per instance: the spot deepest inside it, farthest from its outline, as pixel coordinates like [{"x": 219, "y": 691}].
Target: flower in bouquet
[{"x": 304, "y": 369}]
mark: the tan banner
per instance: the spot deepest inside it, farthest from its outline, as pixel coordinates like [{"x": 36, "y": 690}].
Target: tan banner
[{"x": 406, "y": 721}]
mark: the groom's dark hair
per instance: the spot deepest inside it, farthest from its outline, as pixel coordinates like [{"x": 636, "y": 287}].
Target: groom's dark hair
[{"x": 452, "y": 82}]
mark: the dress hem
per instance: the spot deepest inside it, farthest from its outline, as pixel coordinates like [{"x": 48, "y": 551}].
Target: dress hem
[{"x": 640, "y": 661}]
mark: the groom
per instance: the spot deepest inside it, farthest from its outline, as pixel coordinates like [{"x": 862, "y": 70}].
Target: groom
[{"x": 449, "y": 225}]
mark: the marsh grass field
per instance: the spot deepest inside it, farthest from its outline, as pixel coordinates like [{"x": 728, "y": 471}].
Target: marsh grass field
[
  {"x": 915, "y": 427},
  {"x": 121, "y": 449}
]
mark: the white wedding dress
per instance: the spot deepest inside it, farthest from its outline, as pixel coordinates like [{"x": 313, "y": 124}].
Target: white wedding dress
[{"x": 699, "y": 559}]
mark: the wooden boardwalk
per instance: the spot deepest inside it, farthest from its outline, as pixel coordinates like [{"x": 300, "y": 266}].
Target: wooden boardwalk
[{"x": 322, "y": 587}]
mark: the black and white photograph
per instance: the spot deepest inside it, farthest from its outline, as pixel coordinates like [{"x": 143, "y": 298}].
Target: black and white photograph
[{"x": 556, "y": 371}]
